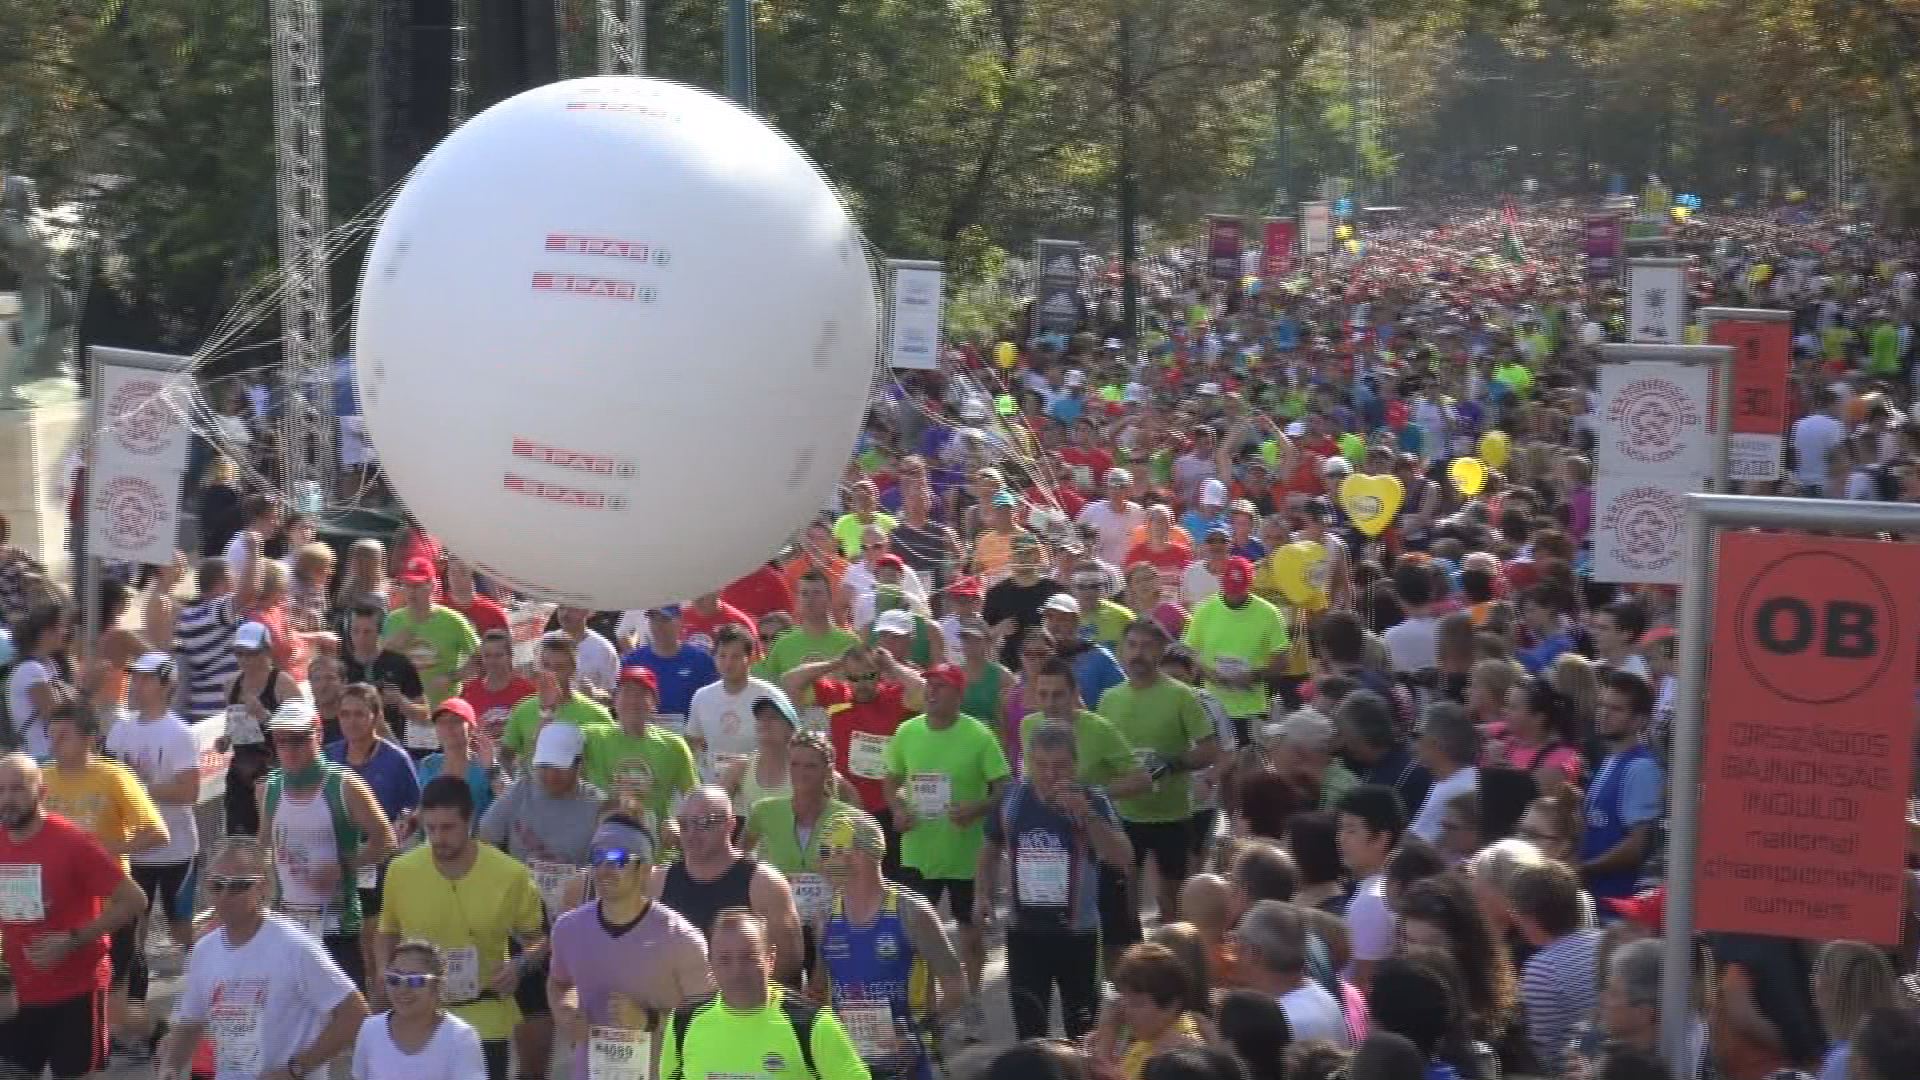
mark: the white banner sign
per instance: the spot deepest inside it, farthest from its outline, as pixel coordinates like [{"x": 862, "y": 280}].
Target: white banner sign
[
  {"x": 1657, "y": 301},
  {"x": 139, "y": 455},
  {"x": 1654, "y": 419},
  {"x": 913, "y": 314},
  {"x": 208, "y": 733},
  {"x": 1639, "y": 527},
  {"x": 1316, "y": 228}
]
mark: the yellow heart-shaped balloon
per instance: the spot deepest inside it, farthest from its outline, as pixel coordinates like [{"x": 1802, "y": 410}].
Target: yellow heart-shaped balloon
[
  {"x": 1300, "y": 568},
  {"x": 1493, "y": 449},
  {"x": 1371, "y": 501},
  {"x": 1005, "y": 354},
  {"x": 1469, "y": 475}
]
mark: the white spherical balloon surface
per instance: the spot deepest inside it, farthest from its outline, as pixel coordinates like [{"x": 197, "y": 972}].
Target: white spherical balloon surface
[{"x": 614, "y": 341}]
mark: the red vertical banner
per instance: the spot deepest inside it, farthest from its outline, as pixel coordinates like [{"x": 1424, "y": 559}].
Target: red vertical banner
[
  {"x": 1276, "y": 250},
  {"x": 1809, "y": 737},
  {"x": 1223, "y": 247},
  {"x": 1762, "y": 358}
]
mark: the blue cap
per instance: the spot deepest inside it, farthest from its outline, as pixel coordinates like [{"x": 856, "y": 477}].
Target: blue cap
[{"x": 671, "y": 611}]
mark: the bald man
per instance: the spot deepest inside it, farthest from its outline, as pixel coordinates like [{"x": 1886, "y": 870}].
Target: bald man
[
  {"x": 713, "y": 875},
  {"x": 61, "y": 894}
]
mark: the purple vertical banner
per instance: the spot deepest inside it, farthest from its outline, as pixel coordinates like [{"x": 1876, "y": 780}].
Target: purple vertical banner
[
  {"x": 1603, "y": 240},
  {"x": 1224, "y": 246}
]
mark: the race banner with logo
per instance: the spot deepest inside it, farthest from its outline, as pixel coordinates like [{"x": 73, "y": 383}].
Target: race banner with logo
[
  {"x": 1316, "y": 227},
  {"x": 1762, "y": 343},
  {"x": 1057, "y": 289},
  {"x": 1654, "y": 445},
  {"x": 210, "y": 742},
  {"x": 1224, "y": 245},
  {"x": 913, "y": 314},
  {"x": 1276, "y": 251},
  {"x": 1657, "y": 301},
  {"x": 138, "y": 455},
  {"x": 1604, "y": 234}
]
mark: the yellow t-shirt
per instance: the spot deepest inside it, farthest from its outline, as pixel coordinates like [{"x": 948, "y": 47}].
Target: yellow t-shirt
[
  {"x": 471, "y": 920},
  {"x": 1134, "y": 1059},
  {"x": 104, "y": 798}
]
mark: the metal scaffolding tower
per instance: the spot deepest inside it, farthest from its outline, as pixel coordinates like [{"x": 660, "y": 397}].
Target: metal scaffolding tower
[
  {"x": 299, "y": 128},
  {"x": 622, "y": 36}
]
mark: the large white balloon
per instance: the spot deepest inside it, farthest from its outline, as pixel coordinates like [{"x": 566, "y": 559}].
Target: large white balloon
[{"x": 614, "y": 341}]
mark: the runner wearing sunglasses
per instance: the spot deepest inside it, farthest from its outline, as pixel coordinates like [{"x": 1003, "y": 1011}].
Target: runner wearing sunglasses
[
  {"x": 621, "y": 961},
  {"x": 712, "y": 875},
  {"x": 417, "y": 1038}
]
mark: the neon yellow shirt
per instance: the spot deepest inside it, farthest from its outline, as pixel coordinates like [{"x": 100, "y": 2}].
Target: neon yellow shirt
[
  {"x": 1100, "y": 753},
  {"x": 442, "y": 642},
  {"x": 1247, "y": 637},
  {"x": 1167, "y": 719},
  {"x": 847, "y": 528},
  {"x": 723, "y": 1043},
  {"x": 942, "y": 769}
]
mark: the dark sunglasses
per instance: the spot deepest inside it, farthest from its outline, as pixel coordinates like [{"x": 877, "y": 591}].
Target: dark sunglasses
[
  {"x": 293, "y": 740},
  {"x": 871, "y": 676},
  {"x": 412, "y": 980},
  {"x": 705, "y": 821},
  {"x": 221, "y": 886},
  {"x": 618, "y": 858}
]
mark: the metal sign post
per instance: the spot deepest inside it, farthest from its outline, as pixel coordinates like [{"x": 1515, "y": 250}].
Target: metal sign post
[{"x": 1707, "y": 515}]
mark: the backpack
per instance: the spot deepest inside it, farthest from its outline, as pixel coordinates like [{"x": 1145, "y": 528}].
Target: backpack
[{"x": 800, "y": 1016}]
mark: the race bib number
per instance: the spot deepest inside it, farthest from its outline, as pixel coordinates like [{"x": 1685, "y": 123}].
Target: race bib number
[
  {"x": 932, "y": 794},
  {"x": 633, "y": 778},
  {"x": 317, "y": 921},
  {"x": 463, "y": 975},
  {"x": 366, "y": 878},
  {"x": 421, "y": 736},
  {"x": 867, "y": 755},
  {"x": 615, "y": 1053},
  {"x": 423, "y": 654},
  {"x": 551, "y": 879},
  {"x": 236, "y": 1038},
  {"x": 1231, "y": 666},
  {"x": 869, "y": 1023},
  {"x": 20, "y": 896},
  {"x": 1043, "y": 875},
  {"x": 242, "y": 727},
  {"x": 810, "y": 895}
]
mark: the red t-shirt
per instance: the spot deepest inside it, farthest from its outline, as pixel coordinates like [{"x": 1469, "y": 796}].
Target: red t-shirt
[
  {"x": 1169, "y": 560},
  {"x": 492, "y": 706},
  {"x": 1071, "y": 502},
  {"x": 765, "y": 590},
  {"x": 484, "y": 614},
  {"x": 75, "y": 875},
  {"x": 875, "y": 721},
  {"x": 698, "y": 629},
  {"x": 1093, "y": 459}
]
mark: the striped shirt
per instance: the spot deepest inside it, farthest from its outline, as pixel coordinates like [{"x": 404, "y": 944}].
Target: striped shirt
[
  {"x": 203, "y": 647},
  {"x": 1559, "y": 990}
]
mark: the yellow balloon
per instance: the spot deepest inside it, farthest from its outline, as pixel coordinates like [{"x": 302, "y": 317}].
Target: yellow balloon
[
  {"x": 1469, "y": 475},
  {"x": 1300, "y": 568},
  {"x": 1493, "y": 449},
  {"x": 1005, "y": 354},
  {"x": 1342, "y": 232},
  {"x": 1353, "y": 247},
  {"x": 1681, "y": 213},
  {"x": 1371, "y": 501}
]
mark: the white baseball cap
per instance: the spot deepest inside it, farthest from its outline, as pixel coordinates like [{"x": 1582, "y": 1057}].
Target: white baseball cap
[
  {"x": 294, "y": 715},
  {"x": 251, "y": 637},
  {"x": 1062, "y": 602},
  {"x": 896, "y": 621},
  {"x": 559, "y": 745}
]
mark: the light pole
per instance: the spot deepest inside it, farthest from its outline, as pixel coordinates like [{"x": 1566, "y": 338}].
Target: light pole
[
  {"x": 1129, "y": 186},
  {"x": 739, "y": 43}
]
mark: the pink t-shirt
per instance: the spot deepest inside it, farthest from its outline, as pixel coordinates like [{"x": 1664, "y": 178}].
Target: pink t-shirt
[
  {"x": 1503, "y": 750},
  {"x": 659, "y": 962}
]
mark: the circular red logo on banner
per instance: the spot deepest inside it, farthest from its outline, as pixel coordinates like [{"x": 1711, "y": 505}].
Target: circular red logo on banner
[
  {"x": 139, "y": 416},
  {"x": 1816, "y": 627},
  {"x": 133, "y": 512}
]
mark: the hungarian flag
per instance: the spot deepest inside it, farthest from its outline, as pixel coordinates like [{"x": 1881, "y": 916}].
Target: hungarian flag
[{"x": 1510, "y": 233}]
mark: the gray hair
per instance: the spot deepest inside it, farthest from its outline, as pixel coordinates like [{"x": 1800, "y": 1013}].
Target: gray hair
[
  {"x": 1306, "y": 729},
  {"x": 1453, "y": 732},
  {"x": 1276, "y": 933},
  {"x": 246, "y": 849},
  {"x": 1635, "y": 969},
  {"x": 1500, "y": 862},
  {"x": 1053, "y": 737}
]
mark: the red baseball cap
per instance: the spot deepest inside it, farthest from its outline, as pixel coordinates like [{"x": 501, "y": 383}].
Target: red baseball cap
[
  {"x": 951, "y": 674},
  {"x": 890, "y": 559},
  {"x": 1649, "y": 908},
  {"x": 459, "y": 708},
  {"x": 1236, "y": 577},
  {"x": 634, "y": 673},
  {"x": 967, "y": 586},
  {"x": 418, "y": 571}
]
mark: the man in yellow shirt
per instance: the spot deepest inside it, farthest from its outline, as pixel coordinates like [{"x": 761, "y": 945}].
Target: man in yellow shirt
[
  {"x": 106, "y": 799},
  {"x": 475, "y": 902},
  {"x": 752, "y": 1028}
]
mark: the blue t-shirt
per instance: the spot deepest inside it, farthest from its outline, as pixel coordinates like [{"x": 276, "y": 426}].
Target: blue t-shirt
[
  {"x": 477, "y": 780},
  {"x": 680, "y": 674},
  {"x": 1043, "y": 832},
  {"x": 388, "y": 771}
]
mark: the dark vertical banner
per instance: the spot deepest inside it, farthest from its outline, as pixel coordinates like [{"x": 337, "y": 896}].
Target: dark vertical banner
[
  {"x": 1603, "y": 240},
  {"x": 1276, "y": 250},
  {"x": 1056, "y": 295},
  {"x": 1224, "y": 245}
]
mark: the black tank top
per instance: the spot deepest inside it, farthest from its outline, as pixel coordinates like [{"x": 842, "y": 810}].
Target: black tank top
[
  {"x": 701, "y": 902},
  {"x": 269, "y": 695}
]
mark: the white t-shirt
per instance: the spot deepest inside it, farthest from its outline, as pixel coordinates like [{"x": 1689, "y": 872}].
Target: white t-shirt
[
  {"x": 263, "y": 1001},
  {"x": 27, "y": 675},
  {"x": 1197, "y": 584},
  {"x": 598, "y": 662},
  {"x": 155, "y": 750},
  {"x": 1413, "y": 643},
  {"x": 1426, "y": 825},
  {"x": 1114, "y": 528},
  {"x": 452, "y": 1054},
  {"x": 1313, "y": 1013},
  {"x": 725, "y": 720},
  {"x": 1370, "y": 921},
  {"x": 236, "y": 553},
  {"x": 1814, "y": 437}
]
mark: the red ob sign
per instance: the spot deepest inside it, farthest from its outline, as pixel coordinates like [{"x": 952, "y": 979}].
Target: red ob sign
[{"x": 1809, "y": 737}]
